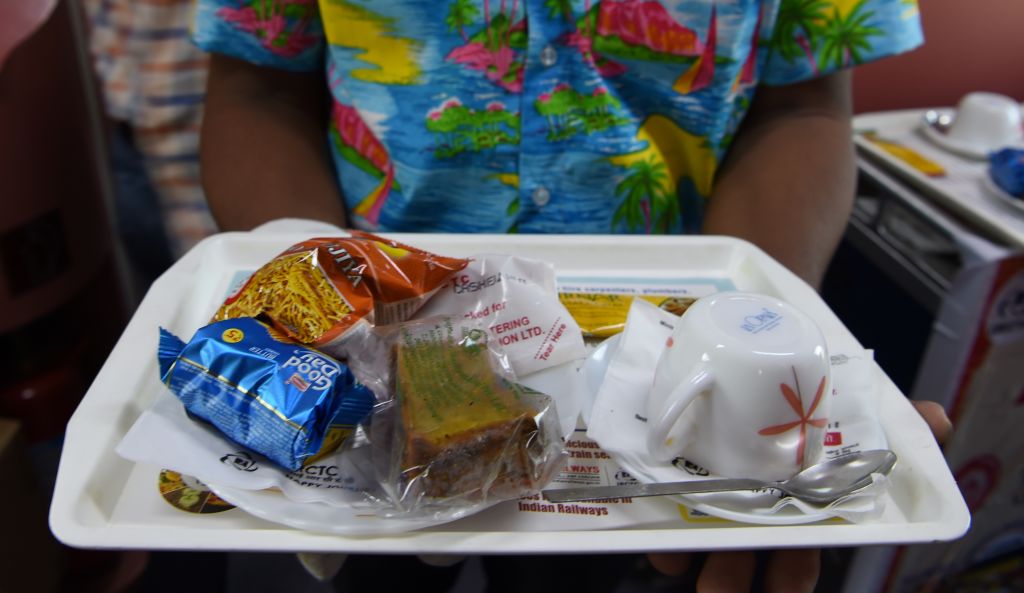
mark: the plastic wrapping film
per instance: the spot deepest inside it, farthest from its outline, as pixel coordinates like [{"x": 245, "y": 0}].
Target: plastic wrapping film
[
  {"x": 317, "y": 290},
  {"x": 516, "y": 301},
  {"x": 458, "y": 433},
  {"x": 451, "y": 431}
]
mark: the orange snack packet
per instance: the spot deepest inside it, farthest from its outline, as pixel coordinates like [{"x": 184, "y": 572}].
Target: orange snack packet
[{"x": 316, "y": 290}]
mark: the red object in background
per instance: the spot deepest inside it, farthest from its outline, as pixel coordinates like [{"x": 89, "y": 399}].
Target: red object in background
[
  {"x": 56, "y": 229},
  {"x": 63, "y": 299},
  {"x": 62, "y": 291},
  {"x": 45, "y": 401},
  {"x": 18, "y": 20},
  {"x": 969, "y": 46},
  {"x": 978, "y": 478}
]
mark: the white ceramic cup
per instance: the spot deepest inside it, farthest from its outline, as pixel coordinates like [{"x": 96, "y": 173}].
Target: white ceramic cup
[
  {"x": 743, "y": 388},
  {"x": 987, "y": 121}
]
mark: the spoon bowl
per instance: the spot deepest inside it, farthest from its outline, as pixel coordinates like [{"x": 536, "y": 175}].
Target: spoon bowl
[
  {"x": 938, "y": 120},
  {"x": 838, "y": 477},
  {"x": 822, "y": 483}
]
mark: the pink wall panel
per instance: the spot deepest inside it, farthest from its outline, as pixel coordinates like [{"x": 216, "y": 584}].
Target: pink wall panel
[{"x": 969, "y": 45}]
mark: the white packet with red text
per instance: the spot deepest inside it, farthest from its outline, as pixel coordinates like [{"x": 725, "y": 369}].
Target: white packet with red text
[{"x": 516, "y": 301}]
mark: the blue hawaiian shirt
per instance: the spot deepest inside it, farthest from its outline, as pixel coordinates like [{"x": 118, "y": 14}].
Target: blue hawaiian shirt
[{"x": 545, "y": 115}]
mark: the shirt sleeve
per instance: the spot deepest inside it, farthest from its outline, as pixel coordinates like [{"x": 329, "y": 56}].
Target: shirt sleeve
[
  {"x": 812, "y": 38},
  {"x": 285, "y": 34}
]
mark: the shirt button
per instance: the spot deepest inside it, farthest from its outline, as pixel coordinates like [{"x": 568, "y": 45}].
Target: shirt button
[
  {"x": 548, "y": 56},
  {"x": 541, "y": 196}
]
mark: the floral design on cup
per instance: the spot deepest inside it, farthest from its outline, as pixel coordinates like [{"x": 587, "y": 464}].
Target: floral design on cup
[{"x": 795, "y": 402}]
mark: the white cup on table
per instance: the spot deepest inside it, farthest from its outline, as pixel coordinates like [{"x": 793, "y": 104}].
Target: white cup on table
[
  {"x": 986, "y": 121},
  {"x": 742, "y": 388}
]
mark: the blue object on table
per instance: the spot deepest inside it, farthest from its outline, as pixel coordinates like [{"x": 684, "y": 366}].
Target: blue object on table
[{"x": 1007, "y": 170}]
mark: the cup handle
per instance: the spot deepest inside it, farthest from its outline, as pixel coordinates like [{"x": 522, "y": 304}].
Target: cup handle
[{"x": 700, "y": 380}]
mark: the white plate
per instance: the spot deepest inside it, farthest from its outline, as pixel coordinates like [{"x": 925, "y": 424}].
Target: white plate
[
  {"x": 759, "y": 508},
  {"x": 1001, "y": 194},
  {"x": 343, "y": 520},
  {"x": 962, "y": 149},
  {"x": 316, "y": 517},
  {"x": 351, "y": 517},
  {"x": 104, "y": 501}
]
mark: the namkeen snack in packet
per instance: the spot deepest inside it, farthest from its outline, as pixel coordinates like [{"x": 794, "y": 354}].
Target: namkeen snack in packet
[
  {"x": 602, "y": 315},
  {"x": 319, "y": 289},
  {"x": 283, "y": 400}
]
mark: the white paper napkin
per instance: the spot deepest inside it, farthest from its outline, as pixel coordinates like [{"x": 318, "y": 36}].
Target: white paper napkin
[
  {"x": 616, "y": 420},
  {"x": 516, "y": 300},
  {"x": 165, "y": 436}
]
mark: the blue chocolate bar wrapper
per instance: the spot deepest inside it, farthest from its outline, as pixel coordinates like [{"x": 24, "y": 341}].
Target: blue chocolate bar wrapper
[{"x": 263, "y": 391}]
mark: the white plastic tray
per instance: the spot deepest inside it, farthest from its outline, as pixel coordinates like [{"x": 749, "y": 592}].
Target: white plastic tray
[{"x": 104, "y": 501}]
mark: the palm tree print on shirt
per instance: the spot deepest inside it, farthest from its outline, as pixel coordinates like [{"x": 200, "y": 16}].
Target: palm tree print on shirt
[
  {"x": 798, "y": 27},
  {"x": 461, "y": 13},
  {"x": 805, "y": 28},
  {"x": 845, "y": 37},
  {"x": 648, "y": 203}
]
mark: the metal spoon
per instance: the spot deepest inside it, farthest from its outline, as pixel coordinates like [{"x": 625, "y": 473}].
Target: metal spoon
[
  {"x": 821, "y": 483},
  {"x": 938, "y": 120}
]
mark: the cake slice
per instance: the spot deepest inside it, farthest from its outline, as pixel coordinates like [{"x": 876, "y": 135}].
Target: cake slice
[{"x": 467, "y": 432}]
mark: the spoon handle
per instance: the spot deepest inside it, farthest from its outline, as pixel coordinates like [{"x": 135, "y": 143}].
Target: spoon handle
[{"x": 658, "y": 489}]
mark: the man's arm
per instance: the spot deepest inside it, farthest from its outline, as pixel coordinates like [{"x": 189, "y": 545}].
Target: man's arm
[
  {"x": 787, "y": 184},
  {"x": 263, "y": 150}
]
